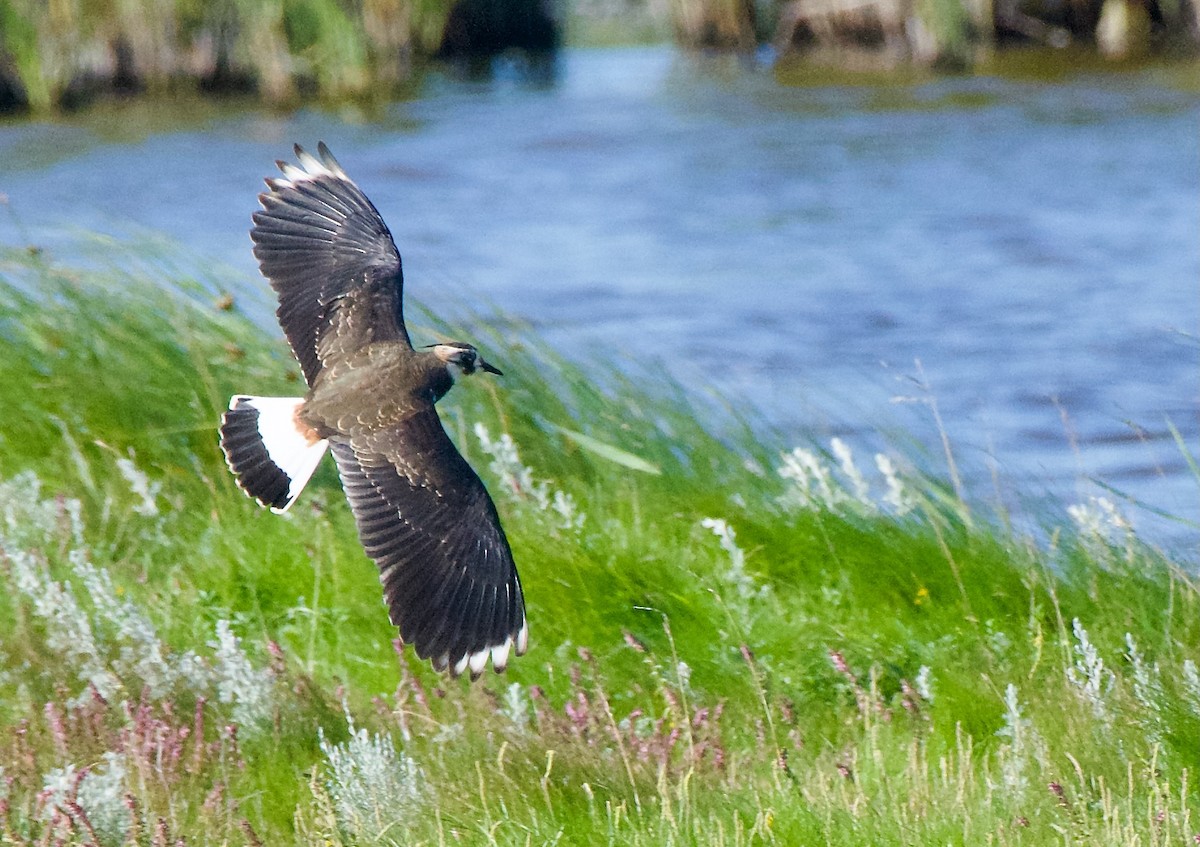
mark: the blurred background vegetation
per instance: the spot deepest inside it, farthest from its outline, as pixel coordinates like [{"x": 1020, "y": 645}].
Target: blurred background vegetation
[{"x": 61, "y": 54}]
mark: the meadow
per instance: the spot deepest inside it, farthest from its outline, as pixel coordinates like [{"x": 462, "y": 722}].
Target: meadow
[{"x": 732, "y": 641}]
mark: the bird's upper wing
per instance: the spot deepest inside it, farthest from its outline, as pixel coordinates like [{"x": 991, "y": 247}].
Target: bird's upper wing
[
  {"x": 330, "y": 258},
  {"x": 426, "y": 519}
]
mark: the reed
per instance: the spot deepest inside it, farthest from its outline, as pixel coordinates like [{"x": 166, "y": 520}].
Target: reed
[
  {"x": 733, "y": 642},
  {"x": 724, "y": 24},
  {"x": 65, "y": 52}
]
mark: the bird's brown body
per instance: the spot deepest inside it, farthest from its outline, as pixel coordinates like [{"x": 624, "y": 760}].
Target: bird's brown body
[{"x": 378, "y": 387}]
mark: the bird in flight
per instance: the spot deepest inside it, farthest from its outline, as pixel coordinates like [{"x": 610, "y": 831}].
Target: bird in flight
[{"x": 423, "y": 515}]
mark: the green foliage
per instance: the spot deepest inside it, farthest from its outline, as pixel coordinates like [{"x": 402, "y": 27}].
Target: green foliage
[
  {"x": 19, "y": 39},
  {"x": 64, "y": 52},
  {"x": 949, "y": 23},
  {"x": 332, "y": 44},
  {"x": 746, "y": 647}
]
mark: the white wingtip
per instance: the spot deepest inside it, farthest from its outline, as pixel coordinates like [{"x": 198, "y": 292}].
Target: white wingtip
[
  {"x": 500, "y": 655},
  {"x": 311, "y": 167},
  {"x": 461, "y": 665},
  {"x": 310, "y": 163},
  {"x": 329, "y": 161},
  {"x": 293, "y": 173},
  {"x": 523, "y": 639},
  {"x": 478, "y": 661}
]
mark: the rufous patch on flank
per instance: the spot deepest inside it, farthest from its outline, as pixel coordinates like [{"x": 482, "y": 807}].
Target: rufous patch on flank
[{"x": 310, "y": 434}]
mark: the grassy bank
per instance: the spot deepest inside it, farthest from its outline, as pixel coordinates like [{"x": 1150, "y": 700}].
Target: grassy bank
[
  {"x": 731, "y": 644},
  {"x": 66, "y": 54}
]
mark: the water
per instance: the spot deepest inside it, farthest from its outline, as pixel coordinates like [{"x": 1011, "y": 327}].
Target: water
[{"x": 1036, "y": 247}]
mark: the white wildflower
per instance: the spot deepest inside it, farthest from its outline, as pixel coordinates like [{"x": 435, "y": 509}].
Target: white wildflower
[
  {"x": 7, "y": 672},
  {"x": 1147, "y": 689},
  {"x": 1191, "y": 685},
  {"x": 519, "y": 483},
  {"x": 73, "y": 510},
  {"x": 107, "y": 641},
  {"x": 858, "y": 485},
  {"x": 1087, "y": 519},
  {"x": 896, "y": 496},
  {"x": 1022, "y": 741},
  {"x": 28, "y": 519},
  {"x": 728, "y": 540},
  {"x": 736, "y": 574},
  {"x": 88, "y": 640},
  {"x": 515, "y": 706},
  {"x": 238, "y": 682},
  {"x": 373, "y": 786},
  {"x": 1113, "y": 516},
  {"x": 683, "y": 676},
  {"x": 506, "y": 464},
  {"x": 57, "y": 784},
  {"x": 564, "y": 505},
  {"x": 193, "y": 672},
  {"x": 924, "y": 683},
  {"x": 102, "y": 796},
  {"x": 68, "y": 627},
  {"x": 997, "y": 639},
  {"x": 795, "y": 470},
  {"x": 644, "y": 726},
  {"x": 1101, "y": 525},
  {"x": 812, "y": 486},
  {"x": 1088, "y": 674},
  {"x": 141, "y": 651},
  {"x": 141, "y": 486}
]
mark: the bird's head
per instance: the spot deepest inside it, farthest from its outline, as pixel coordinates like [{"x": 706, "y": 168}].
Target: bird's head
[{"x": 462, "y": 358}]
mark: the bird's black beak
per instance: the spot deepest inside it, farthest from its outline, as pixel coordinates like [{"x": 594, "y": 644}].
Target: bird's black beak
[{"x": 489, "y": 368}]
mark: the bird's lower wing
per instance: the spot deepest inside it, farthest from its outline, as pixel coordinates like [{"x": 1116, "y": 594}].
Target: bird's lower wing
[{"x": 427, "y": 521}]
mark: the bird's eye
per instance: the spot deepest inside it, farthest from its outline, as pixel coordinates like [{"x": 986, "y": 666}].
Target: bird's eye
[{"x": 465, "y": 360}]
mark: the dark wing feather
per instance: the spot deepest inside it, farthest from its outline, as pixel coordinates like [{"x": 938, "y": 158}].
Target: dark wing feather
[
  {"x": 330, "y": 258},
  {"x": 424, "y": 516}
]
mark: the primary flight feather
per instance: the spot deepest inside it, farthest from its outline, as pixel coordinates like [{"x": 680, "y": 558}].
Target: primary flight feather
[{"x": 423, "y": 515}]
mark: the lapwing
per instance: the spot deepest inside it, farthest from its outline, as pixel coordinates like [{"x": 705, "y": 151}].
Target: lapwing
[{"x": 423, "y": 515}]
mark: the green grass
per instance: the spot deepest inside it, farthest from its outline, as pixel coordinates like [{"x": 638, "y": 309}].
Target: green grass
[
  {"x": 284, "y": 51},
  {"x": 837, "y": 672}
]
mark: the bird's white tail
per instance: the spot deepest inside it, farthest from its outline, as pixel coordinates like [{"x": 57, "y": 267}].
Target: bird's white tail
[{"x": 270, "y": 451}]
